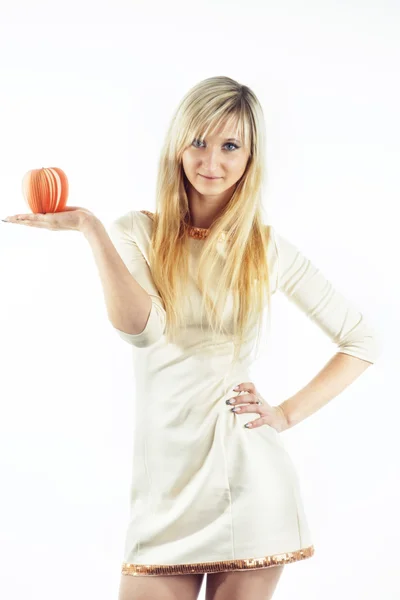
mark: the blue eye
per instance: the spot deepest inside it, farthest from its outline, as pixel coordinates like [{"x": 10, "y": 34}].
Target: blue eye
[
  {"x": 227, "y": 144},
  {"x": 231, "y": 144}
]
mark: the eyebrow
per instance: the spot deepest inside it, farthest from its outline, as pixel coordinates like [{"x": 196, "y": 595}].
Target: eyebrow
[{"x": 232, "y": 139}]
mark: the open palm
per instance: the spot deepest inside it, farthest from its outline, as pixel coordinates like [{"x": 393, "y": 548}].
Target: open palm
[{"x": 73, "y": 217}]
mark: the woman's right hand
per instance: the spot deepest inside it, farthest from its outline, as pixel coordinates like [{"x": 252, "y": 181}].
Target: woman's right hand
[{"x": 73, "y": 218}]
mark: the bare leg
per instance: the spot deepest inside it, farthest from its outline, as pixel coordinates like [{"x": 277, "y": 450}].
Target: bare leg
[
  {"x": 160, "y": 587},
  {"x": 257, "y": 584}
]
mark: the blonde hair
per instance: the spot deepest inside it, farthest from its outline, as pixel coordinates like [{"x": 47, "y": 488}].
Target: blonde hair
[{"x": 244, "y": 272}]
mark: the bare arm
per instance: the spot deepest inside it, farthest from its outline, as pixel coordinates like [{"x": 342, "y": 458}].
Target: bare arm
[
  {"x": 341, "y": 370},
  {"x": 128, "y": 304}
]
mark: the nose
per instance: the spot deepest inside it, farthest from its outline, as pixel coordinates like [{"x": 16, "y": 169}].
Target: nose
[{"x": 210, "y": 162}]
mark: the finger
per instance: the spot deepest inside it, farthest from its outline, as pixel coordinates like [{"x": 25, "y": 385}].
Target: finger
[
  {"x": 244, "y": 399},
  {"x": 31, "y": 217},
  {"x": 256, "y": 423},
  {"x": 247, "y": 386},
  {"x": 32, "y": 220},
  {"x": 28, "y": 221},
  {"x": 250, "y": 408},
  {"x": 13, "y": 218}
]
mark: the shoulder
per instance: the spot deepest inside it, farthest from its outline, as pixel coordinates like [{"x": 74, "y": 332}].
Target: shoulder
[
  {"x": 279, "y": 243},
  {"x": 272, "y": 241},
  {"x": 133, "y": 223},
  {"x": 147, "y": 213},
  {"x": 131, "y": 231}
]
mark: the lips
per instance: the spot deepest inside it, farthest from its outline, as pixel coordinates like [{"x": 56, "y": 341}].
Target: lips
[{"x": 205, "y": 176}]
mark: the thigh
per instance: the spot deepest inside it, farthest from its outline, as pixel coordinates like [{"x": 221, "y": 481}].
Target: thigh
[
  {"x": 160, "y": 587},
  {"x": 257, "y": 584}
]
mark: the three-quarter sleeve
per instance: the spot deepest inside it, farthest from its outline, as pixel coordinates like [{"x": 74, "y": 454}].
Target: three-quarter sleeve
[
  {"x": 125, "y": 236},
  {"x": 306, "y": 286}
]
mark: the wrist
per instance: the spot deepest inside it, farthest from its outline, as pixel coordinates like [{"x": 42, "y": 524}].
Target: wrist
[
  {"x": 284, "y": 415},
  {"x": 88, "y": 224}
]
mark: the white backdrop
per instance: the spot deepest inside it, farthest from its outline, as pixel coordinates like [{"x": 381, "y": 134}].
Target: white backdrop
[{"x": 90, "y": 87}]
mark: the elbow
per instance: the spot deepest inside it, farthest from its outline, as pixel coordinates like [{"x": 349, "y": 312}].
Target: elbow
[
  {"x": 368, "y": 347},
  {"x": 153, "y": 330}
]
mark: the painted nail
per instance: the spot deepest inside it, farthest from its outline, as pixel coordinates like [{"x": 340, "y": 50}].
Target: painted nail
[{"x": 229, "y": 401}]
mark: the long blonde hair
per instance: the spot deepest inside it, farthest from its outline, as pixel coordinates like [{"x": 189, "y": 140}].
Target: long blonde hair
[{"x": 244, "y": 272}]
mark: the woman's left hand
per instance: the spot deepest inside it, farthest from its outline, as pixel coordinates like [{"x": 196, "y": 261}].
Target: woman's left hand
[
  {"x": 253, "y": 402},
  {"x": 73, "y": 217}
]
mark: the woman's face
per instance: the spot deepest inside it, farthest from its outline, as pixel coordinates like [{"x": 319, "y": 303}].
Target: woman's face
[{"x": 218, "y": 156}]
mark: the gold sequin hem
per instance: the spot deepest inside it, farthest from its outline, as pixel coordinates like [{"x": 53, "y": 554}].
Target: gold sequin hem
[{"x": 216, "y": 567}]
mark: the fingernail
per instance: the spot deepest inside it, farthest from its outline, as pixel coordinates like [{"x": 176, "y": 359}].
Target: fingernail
[
  {"x": 248, "y": 425},
  {"x": 5, "y": 220},
  {"x": 235, "y": 388}
]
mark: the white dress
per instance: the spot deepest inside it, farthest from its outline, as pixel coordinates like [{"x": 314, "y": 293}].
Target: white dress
[{"x": 208, "y": 494}]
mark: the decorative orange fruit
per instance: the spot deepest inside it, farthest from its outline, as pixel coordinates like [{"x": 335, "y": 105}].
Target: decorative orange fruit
[{"x": 45, "y": 190}]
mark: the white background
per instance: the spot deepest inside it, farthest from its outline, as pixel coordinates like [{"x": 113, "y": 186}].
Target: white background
[{"x": 90, "y": 87}]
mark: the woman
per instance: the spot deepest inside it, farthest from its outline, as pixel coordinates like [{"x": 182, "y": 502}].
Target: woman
[{"x": 210, "y": 494}]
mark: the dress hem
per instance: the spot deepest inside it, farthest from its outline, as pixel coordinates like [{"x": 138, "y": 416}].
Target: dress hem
[{"x": 218, "y": 566}]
